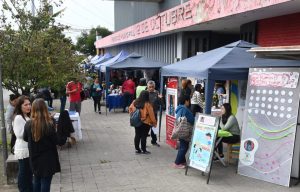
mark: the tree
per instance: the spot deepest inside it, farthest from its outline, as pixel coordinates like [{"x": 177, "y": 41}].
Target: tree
[
  {"x": 85, "y": 42},
  {"x": 35, "y": 51}
]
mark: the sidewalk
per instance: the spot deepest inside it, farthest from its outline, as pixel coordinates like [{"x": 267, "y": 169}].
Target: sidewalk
[{"x": 105, "y": 161}]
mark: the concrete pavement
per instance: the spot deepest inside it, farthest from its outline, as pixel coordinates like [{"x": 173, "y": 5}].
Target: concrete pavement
[{"x": 105, "y": 161}]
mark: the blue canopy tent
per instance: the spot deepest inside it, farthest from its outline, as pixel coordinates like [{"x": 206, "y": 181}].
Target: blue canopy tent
[
  {"x": 102, "y": 59},
  {"x": 133, "y": 61},
  {"x": 136, "y": 61},
  {"x": 95, "y": 58},
  {"x": 230, "y": 62},
  {"x": 120, "y": 57}
]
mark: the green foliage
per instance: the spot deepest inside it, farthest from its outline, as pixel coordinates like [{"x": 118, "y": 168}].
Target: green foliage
[
  {"x": 35, "y": 51},
  {"x": 85, "y": 43}
]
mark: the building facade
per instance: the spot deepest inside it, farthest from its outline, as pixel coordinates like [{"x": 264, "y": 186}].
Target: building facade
[{"x": 171, "y": 30}]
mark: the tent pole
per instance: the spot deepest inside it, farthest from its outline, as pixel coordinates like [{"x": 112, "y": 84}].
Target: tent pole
[
  {"x": 161, "y": 85},
  {"x": 209, "y": 89}
]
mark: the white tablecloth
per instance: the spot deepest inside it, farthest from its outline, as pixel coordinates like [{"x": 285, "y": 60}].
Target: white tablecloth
[{"x": 75, "y": 118}]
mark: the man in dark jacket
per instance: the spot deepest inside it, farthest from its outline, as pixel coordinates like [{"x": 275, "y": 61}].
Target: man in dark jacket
[{"x": 156, "y": 101}]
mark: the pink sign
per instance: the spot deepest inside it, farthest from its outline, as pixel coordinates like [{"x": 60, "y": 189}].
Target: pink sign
[
  {"x": 274, "y": 79},
  {"x": 187, "y": 14}
]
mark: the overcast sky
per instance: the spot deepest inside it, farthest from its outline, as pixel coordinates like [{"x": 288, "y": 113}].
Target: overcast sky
[
  {"x": 87, "y": 14},
  {"x": 80, "y": 15}
]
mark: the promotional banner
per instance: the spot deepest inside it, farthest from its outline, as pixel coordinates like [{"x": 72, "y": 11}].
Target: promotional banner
[
  {"x": 171, "y": 104},
  {"x": 202, "y": 145},
  {"x": 269, "y": 127}
]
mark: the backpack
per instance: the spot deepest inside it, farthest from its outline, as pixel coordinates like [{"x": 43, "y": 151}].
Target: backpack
[{"x": 135, "y": 118}]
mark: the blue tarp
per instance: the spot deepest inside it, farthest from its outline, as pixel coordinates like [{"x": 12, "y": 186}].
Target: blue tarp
[
  {"x": 95, "y": 58},
  {"x": 230, "y": 62},
  {"x": 102, "y": 59},
  {"x": 120, "y": 57}
]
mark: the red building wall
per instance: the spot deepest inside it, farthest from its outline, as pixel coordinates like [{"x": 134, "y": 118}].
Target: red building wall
[{"x": 279, "y": 31}]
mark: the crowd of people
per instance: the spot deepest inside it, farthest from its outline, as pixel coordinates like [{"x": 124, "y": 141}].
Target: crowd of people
[{"x": 36, "y": 134}]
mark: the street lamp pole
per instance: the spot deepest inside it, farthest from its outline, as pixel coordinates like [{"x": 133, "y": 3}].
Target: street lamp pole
[{"x": 3, "y": 129}]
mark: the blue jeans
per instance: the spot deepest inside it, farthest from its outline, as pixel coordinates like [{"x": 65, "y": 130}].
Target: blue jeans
[
  {"x": 42, "y": 184},
  {"x": 183, "y": 148},
  {"x": 25, "y": 176}
]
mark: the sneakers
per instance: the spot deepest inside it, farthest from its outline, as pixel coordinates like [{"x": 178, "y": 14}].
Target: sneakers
[
  {"x": 156, "y": 144},
  {"x": 180, "y": 166},
  {"x": 138, "y": 152},
  {"x": 99, "y": 112}
]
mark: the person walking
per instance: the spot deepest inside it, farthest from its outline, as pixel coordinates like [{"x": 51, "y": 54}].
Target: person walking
[
  {"x": 73, "y": 89},
  {"x": 183, "y": 111},
  {"x": 128, "y": 88},
  {"x": 22, "y": 113},
  {"x": 156, "y": 100},
  {"x": 40, "y": 133},
  {"x": 197, "y": 101},
  {"x": 96, "y": 92},
  {"x": 148, "y": 119}
]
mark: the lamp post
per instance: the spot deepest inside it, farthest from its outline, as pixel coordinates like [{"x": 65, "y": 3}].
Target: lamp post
[{"x": 3, "y": 129}]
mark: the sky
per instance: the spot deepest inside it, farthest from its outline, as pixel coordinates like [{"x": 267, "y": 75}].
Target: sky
[
  {"x": 84, "y": 15},
  {"x": 80, "y": 15}
]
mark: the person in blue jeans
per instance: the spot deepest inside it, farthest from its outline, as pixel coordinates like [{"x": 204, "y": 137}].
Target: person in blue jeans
[
  {"x": 40, "y": 133},
  {"x": 183, "y": 111}
]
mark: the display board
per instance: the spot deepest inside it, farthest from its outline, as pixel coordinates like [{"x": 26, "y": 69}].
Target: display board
[
  {"x": 203, "y": 142},
  {"x": 171, "y": 104},
  {"x": 269, "y": 125}
]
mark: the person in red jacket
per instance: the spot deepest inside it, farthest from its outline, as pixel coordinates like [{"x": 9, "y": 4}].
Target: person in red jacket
[
  {"x": 128, "y": 90},
  {"x": 73, "y": 89}
]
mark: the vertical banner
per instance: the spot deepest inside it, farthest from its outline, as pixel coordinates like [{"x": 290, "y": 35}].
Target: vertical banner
[
  {"x": 203, "y": 142},
  {"x": 269, "y": 127},
  {"x": 171, "y": 105}
]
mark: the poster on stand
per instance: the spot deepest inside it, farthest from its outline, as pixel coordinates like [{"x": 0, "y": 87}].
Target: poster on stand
[
  {"x": 203, "y": 141},
  {"x": 269, "y": 126},
  {"x": 171, "y": 104}
]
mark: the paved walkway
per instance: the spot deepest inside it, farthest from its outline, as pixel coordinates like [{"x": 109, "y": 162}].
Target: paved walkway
[{"x": 105, "y": 161}]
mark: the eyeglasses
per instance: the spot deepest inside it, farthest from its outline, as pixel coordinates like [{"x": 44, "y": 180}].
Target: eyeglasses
[{"x": 151, "y": 87}]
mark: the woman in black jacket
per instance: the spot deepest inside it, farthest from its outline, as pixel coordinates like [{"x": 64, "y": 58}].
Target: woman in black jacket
[{"x": 41, "y": 136}]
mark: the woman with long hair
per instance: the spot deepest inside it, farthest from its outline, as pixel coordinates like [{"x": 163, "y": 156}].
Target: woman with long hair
[
  {"x": 21, "y": 115},
  {"x": 41, "y": 136},
  {"x": 228, "y": 123},
  {"x": 148, "y": 119}
]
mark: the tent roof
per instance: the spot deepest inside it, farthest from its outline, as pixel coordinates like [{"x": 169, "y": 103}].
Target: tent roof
[
  {"x": 120, "y": 57},
  {"x": 102, "y": 59},
  {"x": 231, "y": 61},
  {"x": 95, "y": 58},
  {"x": 136, "y": 61}
]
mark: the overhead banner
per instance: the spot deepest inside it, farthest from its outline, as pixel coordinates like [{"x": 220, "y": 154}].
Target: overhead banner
[
  {"x": 202, "y": 145},
  {"x": 171, "y": 101},
  {"x": 270, "y": 122}
]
